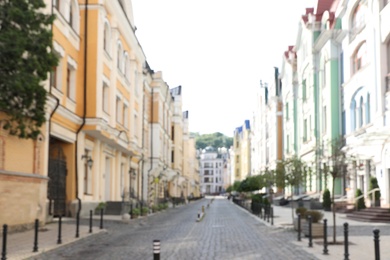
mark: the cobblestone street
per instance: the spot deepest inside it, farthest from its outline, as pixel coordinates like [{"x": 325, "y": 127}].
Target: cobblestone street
[{"x": 226, "y": 232}]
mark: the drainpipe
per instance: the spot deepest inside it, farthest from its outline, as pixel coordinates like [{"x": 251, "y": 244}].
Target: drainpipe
[
  {"x": 84, "y": 105},
  {"x": 54, "y": 110},
  {"x": 151, "y": 143}
]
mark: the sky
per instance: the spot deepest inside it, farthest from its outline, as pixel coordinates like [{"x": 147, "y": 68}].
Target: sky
[{"x": 218, "y": 51}]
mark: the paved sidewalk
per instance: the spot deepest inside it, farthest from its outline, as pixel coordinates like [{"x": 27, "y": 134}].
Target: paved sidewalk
[
  {"x": 361, "y": 239},
  {"x": 20, "y": 245}
]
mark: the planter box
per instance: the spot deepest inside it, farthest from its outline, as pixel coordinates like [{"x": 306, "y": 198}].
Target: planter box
[{"x": 317, "y": 229}]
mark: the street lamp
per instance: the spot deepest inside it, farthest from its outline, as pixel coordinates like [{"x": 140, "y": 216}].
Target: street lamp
[{"x": 89, "y": 160}]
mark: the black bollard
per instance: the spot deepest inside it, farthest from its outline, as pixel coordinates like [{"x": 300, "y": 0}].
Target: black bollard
[
  {"x": 4, "y": 248},
  {"x": 77, "y": 225},
  {"x": 268, "y": 211},
  {"x": 272, "y": 216},
  {"x": 90, "y": 221},
  {"x": 325, "y": 251},
  {"x": 265, "y": 212},
  {"x": 101, "y": 218},
  {"x": 310, "y": 236},
  {"x": 299, "y": 226},
  {"x": 59, "y": 241},
  {"x": 376, "y": 244},
  {"x": 346, "y": 254},
  {"x": 156, "y": 249},
  {"x": 36, "y": 226}
]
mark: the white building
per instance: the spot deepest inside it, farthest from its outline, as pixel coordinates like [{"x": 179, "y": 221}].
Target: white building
[{"x": 211, "y": 171}]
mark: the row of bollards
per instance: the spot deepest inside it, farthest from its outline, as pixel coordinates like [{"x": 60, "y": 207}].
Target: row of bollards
[
  {"x": 36, "y": 229},
  {"x": 346, "y": 243}
]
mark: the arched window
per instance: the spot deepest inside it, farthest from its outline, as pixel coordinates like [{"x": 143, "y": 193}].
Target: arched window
[
  {"x": 125, "y": 64},
  {"x": 368, "y": 117},
  {"x": 361, "y": 109},
  {"x": 73, "y": 18},
  {"x": 358, "y": 19},
  {"x": 359, "y": 58},
  {"x": 107, "y": 37},
  {"x": 353, "y": 115},
  {"x": 119, "y": 57}
]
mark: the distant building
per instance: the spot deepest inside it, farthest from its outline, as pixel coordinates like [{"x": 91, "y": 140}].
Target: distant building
[
  {"x": 211, "y": 171},
  {"x": 242, "y": 152}
]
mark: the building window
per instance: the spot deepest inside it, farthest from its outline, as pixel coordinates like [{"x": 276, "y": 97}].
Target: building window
[
  {"x": 358, "y": 19},
  {"x": 56, "y": 4},
  {"x": 136, "y": 83},
  {"x": 304, "y": 90},
  {"x": 287, "y": 118},
  {"x": 54, "y": 77},
  {"x": 353, "y": 115},
  {"x": 361, "y": 109},
  {"x": 106, "y": 97},
  {"x": 305, "y": 130},
  {"x": 288, "y": 144},
  {"x": 120, "y": 57},
  {"x": 118, "y": 110},
  {"x": 125, "y": 116},
  {"x": 359, "y": 58},
  {"x": 71, "y": 82},
  {"x": 135, "y": 125},
  {"x": 107, "y": 37},
  {"x": 172, "y": 156},
  {"x": 87, "y": 175},
  {"x": 324, "y": 126},
  {"x": 173, "y": 133}
]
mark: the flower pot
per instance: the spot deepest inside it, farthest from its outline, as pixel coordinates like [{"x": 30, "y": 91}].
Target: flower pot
[{"x": 317, "y": 229}]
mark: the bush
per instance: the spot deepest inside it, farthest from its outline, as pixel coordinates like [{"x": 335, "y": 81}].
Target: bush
[
  {"x": 102, "y": 205},
  {"x": 326, "y": 200},
  {"x": 135, "y": 211},
  {"x": 155, "y": 208},
  {"x": 360, "y": 202},
  {"x": 374, "y": 185},
  {"x": 316, "y": 215},
  {"x": 145, "y": 211},
  {"x": 257, "y": 198},
  {"x": 301, "y": 210}
]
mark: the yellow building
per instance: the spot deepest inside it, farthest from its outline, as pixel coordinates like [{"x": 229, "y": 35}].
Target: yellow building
[
  {"x": 241, "y": 167},
  {"x": 112, "y": 124}
]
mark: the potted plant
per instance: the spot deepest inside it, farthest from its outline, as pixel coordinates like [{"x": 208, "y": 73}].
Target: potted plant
[
  {"x": 135, "y": 213},
  {"x": 155, "y": 208},
  {"x": 145, "y": 211},
  {"x": 100, "y": 206},
  {"x": 326, "y": 200},
  {"x": 374, "y": 185},
  {"x": 317, "y": 229},
  {"x": 360, "y": 202}
]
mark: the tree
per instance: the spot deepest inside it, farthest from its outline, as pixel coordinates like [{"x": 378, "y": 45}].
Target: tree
[
  {"x": 335, "y": 167},
  {"x": 215, "y": 140},
  {"x": 377, "y": 194},
  {"x": 25, "y": 59}
]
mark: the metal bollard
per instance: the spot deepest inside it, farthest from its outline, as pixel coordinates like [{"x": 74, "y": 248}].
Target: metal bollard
[
  {"x": 325, "y": 251},
  {"x": 268, "y": 211},
  {"x": 265, "y": 212},
  {"x": 310, "y": 236},
  {"x": 90, "y": 221},
  {"x": 59, "y": 241},
  {"x": 77, "y": 224},
  {"x": 101, "y": 218},
  {"x": 4, "y": 249},
  {"x": 156, "y": 249},
  {"x": 35, "y": 247},
  {"x": 376, "y": 244},
  {"x": 299, "y": 226},
  {"x": 346, "y": 254},
  {"x": 272, "y": 216}
]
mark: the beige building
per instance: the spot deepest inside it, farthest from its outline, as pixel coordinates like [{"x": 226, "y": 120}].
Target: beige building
[
  {"x": 241, "y": 168},
  {"x": 113, "y": 127}
]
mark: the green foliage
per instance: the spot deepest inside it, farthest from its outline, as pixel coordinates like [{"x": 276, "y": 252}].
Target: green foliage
[
  {"x": 360, "y": 202},
  {"x": 252, "y": 183},
  {"x": 215, "y": 140},
  {"x": 258, "y": 198},
  {"x": 316, "y": 215},
  {"x": 102, "y": 205},
  {"x": 25, "y": 60},
  {"x": 229, "y": 189},
  {"x": 326, "y": 199},
  {"x": 301, "y": 210},
  {"x": 374, "y": 185},
  {"x": 145, "y": 210},
  {"x": 236, "y": 186},
  {"x": 136, "y": 211}
]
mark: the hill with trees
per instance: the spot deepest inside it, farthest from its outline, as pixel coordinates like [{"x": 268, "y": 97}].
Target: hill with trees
[{"x": 215, "y": 140}]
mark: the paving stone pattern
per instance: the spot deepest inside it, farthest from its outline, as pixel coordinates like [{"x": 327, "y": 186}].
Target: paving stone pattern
[{"x": 226, "y": 232}]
